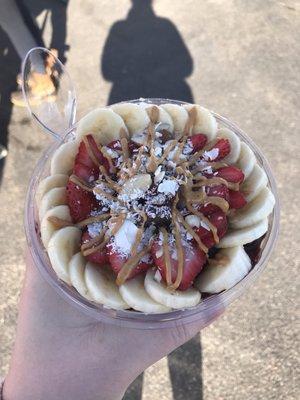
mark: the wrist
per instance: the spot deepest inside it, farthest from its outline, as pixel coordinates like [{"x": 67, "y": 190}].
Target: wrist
[{"x": 26, "y": 385}]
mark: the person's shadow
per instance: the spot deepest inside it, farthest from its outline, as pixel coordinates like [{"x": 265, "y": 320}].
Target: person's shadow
[
  {"x": 10, "y": 62},
  {"x": 145, "y": 56}
]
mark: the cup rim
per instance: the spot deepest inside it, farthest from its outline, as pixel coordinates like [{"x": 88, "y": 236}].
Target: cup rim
[{"x": 206, "y": 311}]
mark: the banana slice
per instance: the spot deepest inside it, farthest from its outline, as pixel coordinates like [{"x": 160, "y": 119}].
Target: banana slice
[
  {"x": 52, "y": 181},
  {"x": 163, "y": 116},
  {"x": 256, "y": 181},
  {"x": 62, "y": 246},
  {"x": 246, "y": 235},
  {"x": 235, "y": 144},
  {"x": 134, "y": 294},
  {"x": 47, "y": 228},
  {"x": 103, "y": 123},
  {"x": 179, "y": 116},
  {"x": 259, "y": 208},
  {"x": 134, "y": 116},
  {"x": 62, "y": 161},
  {"x": 177, "y": 300},
  {"x": 55, "y": 197},
  {"x": 246, "y": 160},
  {"x": 102, "y": 287},
  {"x": 234, "y": 266},
  {"x": 205, "y": 122},
  {"x": 76, "y": 272}
]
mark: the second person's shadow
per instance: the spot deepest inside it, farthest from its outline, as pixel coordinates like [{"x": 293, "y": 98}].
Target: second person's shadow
[{"x": 145, "y": 56}]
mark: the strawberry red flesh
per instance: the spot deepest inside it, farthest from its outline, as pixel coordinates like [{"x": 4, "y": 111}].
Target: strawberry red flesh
[
  {"x": 88, "y": 174},
  {"x": 197, "y": 141},
  {"x": 219, "y": 220},
  {"x": 222, "y": 148},
  {"x": 218, "y": 191},
  {"x": 117, "y": 261},
  {"x": 194, "y": 260},
  {"x": 99, "y": 257},
  {"x": 84, "y": 167},
  {"x": 230, "y": 174},
  {"x": 236, "y": 199},
  {"x": 80, "y": 202}
]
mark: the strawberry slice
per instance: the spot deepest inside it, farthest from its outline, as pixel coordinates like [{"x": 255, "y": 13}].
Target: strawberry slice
[
  {"x": 208, "y": 209},
  {"x": 220, "y": 150},
  {"x": 84, "y": 166},
  {"x": 80, "y": 202},
  {"x": 236, "y": 199},
  {"x": 88, "y": 174},
  {"x": 117, "y": 261},
  {"x": 99, "y": 257},
  {"x": 217, "y": 191},
  {"x": 219, "y": 220},
  {"x": 194, "y": 260},
  {"x": 197, "y": 141},
  {"x": 230, "y": 174}
]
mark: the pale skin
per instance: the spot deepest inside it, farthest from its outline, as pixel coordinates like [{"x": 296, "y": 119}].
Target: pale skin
[{"x": 60, "y": 353}]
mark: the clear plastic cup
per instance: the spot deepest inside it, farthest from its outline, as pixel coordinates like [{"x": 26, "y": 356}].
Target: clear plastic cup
[{"x": 204, "y": 313}]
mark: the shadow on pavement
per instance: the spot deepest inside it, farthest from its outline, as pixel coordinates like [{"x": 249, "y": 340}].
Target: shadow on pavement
[
  {"x": 9, "y": 67},
  {"x": 10, "y": 63},
  {"x": 145, "y": 56}
]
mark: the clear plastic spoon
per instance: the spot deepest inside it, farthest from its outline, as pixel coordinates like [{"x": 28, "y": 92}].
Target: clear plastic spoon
[{"x": 49, "y": 92}]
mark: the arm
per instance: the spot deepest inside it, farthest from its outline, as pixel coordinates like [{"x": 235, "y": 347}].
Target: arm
[{"x": 61, "y": 353}]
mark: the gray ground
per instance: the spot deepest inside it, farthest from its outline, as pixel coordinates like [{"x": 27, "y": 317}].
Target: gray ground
[{"x": 245, "y": 66}]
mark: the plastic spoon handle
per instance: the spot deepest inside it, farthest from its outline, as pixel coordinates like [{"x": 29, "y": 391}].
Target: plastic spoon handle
[{"x": 49, "y": 92}]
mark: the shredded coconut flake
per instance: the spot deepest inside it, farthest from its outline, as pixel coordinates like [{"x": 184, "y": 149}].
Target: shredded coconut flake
[
  {"x": 211, "y": 154},
  {"x": 168, "y": 186},
  {"x": 95, "y": 229},
  {"x": 125, "y": 237}
]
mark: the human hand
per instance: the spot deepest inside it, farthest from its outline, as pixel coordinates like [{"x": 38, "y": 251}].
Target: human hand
[{"x": 62, "y": 353}]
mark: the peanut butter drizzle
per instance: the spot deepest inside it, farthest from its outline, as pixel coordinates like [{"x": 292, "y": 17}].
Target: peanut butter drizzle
[
  {"x": 104, "y": 194},
  {"x": 179, "y": 250},
  {"x": 167, "y": 151},
  {"x": 153, "y": 113},
  {"x": 139, "y": 233},
  {"x": 209, "y": 181},
  {"x": 79, "y": 182},
  {"x": 153, "y": 162},
  {"x": 90, "y": 151},
  {"x": 190, "y": 122},
  {"x": 214, "y": 181},
  {"x": 110, "y": 183},
  {"x": 125, "y": 149},
  {"x": 191, "y": 231},
  {"x": 167, "y": 257},
  {"x": 138, "y": 162},
  {"x": 109, "y": 159},
  {"x": 219, "y": 202},
  {"x": 130, "y": 264},
  {"x": 179, "y": 149},
  {"x": 91, "y": 220},
  {"x": 58, "y": 222},
  {"x": 206, "y": 220},
  {"x": 92, "y": 242}
]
